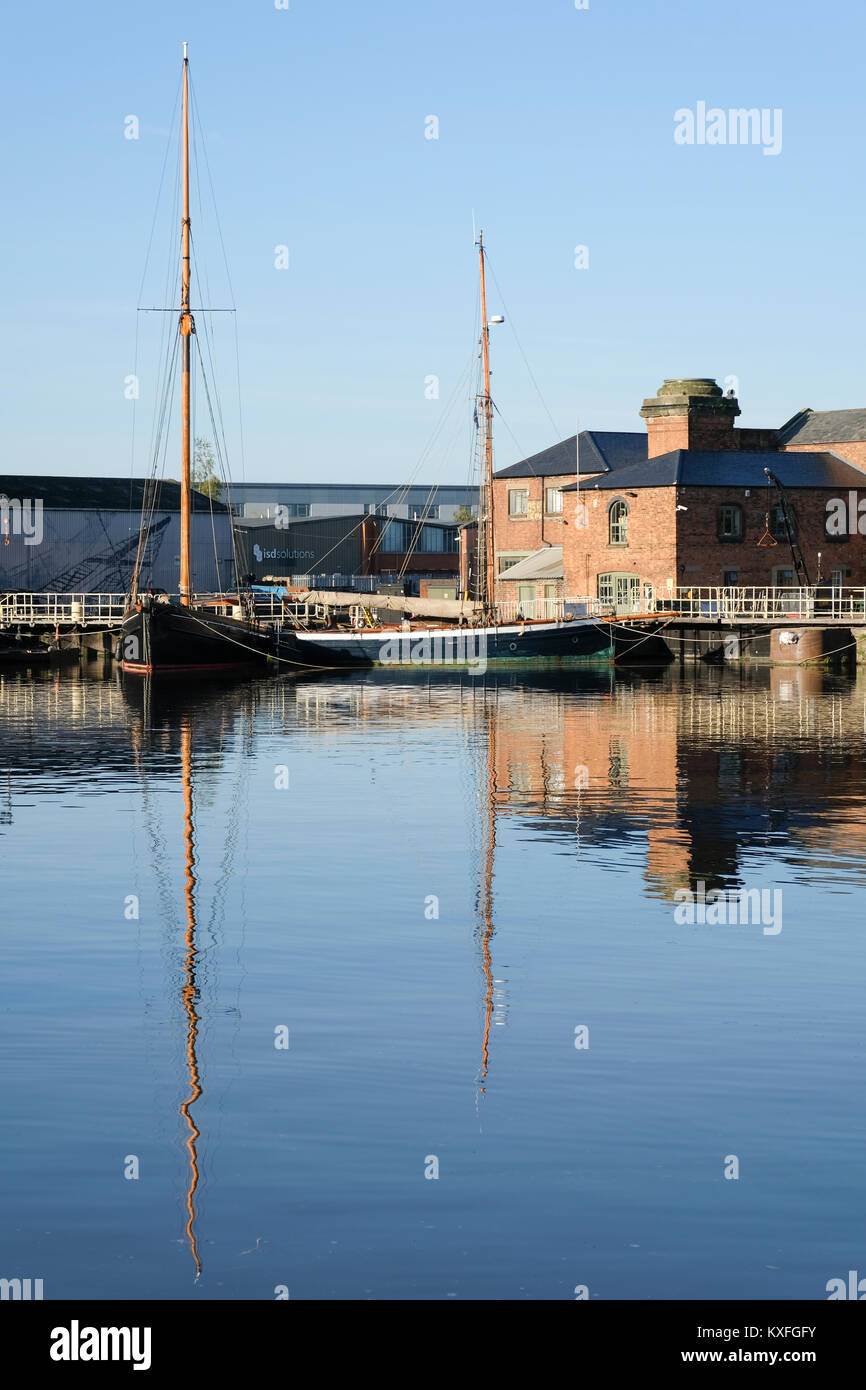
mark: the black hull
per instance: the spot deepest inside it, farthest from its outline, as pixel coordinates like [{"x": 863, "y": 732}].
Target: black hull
[
  {"x": 554, "y": 646},
  {"x": 165, "y": 638}
]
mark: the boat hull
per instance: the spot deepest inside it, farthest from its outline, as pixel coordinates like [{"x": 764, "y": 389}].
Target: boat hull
[
  {"x": 166, "y": 638},
  {"x": 546, "y": 645}
]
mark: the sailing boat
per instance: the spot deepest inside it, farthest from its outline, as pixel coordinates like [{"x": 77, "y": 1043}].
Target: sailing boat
[
  {"x": 159, "y": 633},
  {"x": 477, "y": 634}
]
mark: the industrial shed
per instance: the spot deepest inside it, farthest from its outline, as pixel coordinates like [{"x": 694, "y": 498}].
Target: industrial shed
[{"x": 87, "y": 538}]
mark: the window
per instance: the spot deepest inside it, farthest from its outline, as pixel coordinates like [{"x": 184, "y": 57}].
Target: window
[
  {"x": 518, "y": 499},
  {"x": 617, "y": 766},
  {"x": 553, "y": 500},
  {"x": 783, "y": 578},
  {"x": 419, "y": 510},
  {"x": 550, "y": 591},
  {"x": 399, "y": 537},
  {"x": 730, "y": 523},
  {"x": 287, "y": 509},
  {"x": 618, "y": 522},
  {"x": 777, "y": 523},
  {"x": 730, "y": 578},
  {"x": 394, "y": 537},
  {"x": 434, "y": 540},
  {"x": 504, "y": 562}
]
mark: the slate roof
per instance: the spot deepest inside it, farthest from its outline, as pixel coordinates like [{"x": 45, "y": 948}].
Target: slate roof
[
  {"x": 98, "y": 494},
  {"x": 600, "y": 452},
  {"x": 541, "y": 564},
  {"x": 729, "y": 468},
  {"x": 824, "y": 427}
]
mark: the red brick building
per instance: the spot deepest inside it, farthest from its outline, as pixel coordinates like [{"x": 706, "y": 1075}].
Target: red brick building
[
  {"x": 533, "y": 510},
  {"x": 687, "y": 504}
]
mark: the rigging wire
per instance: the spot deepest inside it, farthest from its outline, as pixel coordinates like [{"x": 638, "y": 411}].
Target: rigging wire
[{"x": 507, "y": 313}]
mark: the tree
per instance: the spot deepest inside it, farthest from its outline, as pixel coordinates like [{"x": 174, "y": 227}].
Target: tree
[
  {"x": 204, "y": 474},
  {"x": 462, "y": 514}
]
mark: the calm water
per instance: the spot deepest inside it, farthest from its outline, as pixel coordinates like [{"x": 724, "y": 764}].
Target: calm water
[{"x": 548, "y": 822}]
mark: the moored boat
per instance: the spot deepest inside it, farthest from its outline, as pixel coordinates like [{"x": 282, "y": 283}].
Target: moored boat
[
  {"x": 544, "y": 644},
  {"x": 163, "y": 634},
  {"x": 483, "y": 633}
]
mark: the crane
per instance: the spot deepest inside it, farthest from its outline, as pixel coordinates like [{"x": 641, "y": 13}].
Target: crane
[{"x": 788, "y": 520}]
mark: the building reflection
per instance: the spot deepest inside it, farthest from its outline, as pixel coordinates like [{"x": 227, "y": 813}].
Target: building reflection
[{"x": 703, "y": 765}]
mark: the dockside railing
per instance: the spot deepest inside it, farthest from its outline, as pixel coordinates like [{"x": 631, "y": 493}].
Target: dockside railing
[
  {"x": 551, "y": 610},
  {"x": 764, "y": 603},
  {"x": 61, "y": 610}
]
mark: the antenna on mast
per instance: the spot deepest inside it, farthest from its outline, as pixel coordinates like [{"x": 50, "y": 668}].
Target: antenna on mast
[{"x": 184, "y": 50}]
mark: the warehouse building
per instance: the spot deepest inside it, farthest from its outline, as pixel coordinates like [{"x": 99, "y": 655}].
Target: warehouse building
[
  {"x": 330, "y": 552},
  {"x": 297, "y": 501},
  {"x": 80, "y": 535}
]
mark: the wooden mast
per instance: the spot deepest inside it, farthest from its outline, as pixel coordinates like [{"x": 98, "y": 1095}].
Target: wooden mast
[
  {"x": 187, "y": 328},
  {"x": 487, "y": 591}
]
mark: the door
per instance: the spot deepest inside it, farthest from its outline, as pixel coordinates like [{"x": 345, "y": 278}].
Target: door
[
  {"x": 622, "y": 590},
  {"x": 526, "y": 599}
]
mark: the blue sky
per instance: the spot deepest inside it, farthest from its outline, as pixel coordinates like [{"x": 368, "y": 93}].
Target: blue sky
[{"x": 555, "y": 125}]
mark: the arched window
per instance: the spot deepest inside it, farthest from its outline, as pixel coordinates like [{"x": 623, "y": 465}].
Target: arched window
[{"x": 618, "y": 522}]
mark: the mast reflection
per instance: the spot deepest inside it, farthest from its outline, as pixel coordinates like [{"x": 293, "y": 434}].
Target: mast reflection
[
  {"x": 486, "y": 928},
  {"x": 189, "y": 993}
]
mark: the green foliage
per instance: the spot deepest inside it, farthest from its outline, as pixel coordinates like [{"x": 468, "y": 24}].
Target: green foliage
[{"x": 204, "y": 475}]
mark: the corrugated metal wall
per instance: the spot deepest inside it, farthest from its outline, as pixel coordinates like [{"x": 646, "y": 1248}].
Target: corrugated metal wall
[
  {"x": 327, "y": 543},
  {"x": 94, "y": 552}
]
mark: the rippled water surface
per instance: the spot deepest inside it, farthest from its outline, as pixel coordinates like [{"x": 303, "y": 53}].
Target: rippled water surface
[{"x": 284, "y": 947}]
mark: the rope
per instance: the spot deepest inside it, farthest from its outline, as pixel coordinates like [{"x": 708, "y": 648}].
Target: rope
[
  {"x": 286, "y": 660},
  {"x": 683, "y": 641},
  {"x": 519, "y": 344}
]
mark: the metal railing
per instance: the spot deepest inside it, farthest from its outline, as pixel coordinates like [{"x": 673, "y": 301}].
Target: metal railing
[
  {"x": 58, "y": 610},
  {"x": 820, "y": 601},
  {"x": 551, "y": 610},
  {"x": 357, "y": 583}
]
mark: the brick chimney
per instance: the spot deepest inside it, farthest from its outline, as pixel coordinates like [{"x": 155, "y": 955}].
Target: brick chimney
[{"x": 689, "y": 413}]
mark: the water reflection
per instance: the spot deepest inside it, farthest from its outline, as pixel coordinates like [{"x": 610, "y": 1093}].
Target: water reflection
[
  {"x": 189, "y": 991},
  {"x": 623, "y": 787}
]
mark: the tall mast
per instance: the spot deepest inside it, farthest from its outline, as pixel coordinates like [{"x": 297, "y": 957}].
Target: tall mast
[
  {"x": 487, "y": 590},
  {"x": 187, "y": 328}
]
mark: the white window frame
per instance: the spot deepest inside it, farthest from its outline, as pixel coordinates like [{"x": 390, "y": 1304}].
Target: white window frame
[
  {"x": 513, "y": 513},
  {"x": 556, "y": 494}
]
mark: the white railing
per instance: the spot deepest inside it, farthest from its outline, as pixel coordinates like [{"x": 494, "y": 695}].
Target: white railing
[
  {"x": 357, "y": 583},
  {"x": 57, "y": 610},
  {"x": 762, "y": 603},
  {"x": 551, "y": 610}
]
